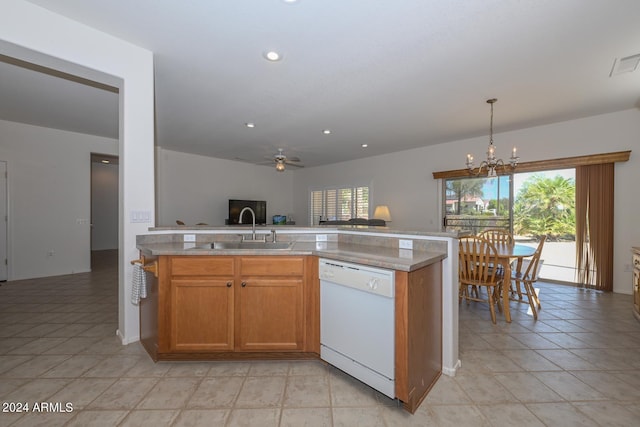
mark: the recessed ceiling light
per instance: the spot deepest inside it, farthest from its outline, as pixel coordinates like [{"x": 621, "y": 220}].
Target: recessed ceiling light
[
  {"x": 250, "y": 125},
  {"x": 290, "y": 1},
  {"x": 272, "y": 56},
  {"x": 326, "y": 131},
  {"x": 364, "y": 145}
]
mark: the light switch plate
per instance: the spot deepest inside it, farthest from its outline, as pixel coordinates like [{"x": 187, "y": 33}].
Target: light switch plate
[{"x": 140, "y": 216}]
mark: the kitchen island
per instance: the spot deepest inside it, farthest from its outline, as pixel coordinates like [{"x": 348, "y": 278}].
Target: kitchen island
[{"x": 231, "y": 303}]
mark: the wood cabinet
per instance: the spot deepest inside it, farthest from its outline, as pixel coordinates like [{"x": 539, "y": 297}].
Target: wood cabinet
[
  {"x": 270, "y": 303},
  {"x": 636, "y": 281},
  {"x": 201, "y": 316},
  {"x": 418, "y": 363},
  {"x": 231, "y": 307}
]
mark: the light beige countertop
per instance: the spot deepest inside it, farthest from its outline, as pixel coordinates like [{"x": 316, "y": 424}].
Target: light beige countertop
[
  {"x": 383, "y": 257},
  {"x": 265, "y": 229}
]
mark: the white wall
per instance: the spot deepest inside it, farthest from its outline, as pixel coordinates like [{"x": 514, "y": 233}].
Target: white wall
[
  {"x": 104, "y": 206},
  {"x": 405, "y": 183},
  {"x": 49, "y": 188},
  {"x": 33, "y": 33},
  {"x": 401, "y": 181},
  {"x": 196, "y": 189}
]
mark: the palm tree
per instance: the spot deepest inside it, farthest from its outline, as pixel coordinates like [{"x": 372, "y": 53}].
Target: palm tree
[
  {"x": 458, "y": 189},
  {"x": 545, "y": 206}
]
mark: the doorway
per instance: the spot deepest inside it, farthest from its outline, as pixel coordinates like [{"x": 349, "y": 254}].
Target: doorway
[{"x": 104, "y": 208}]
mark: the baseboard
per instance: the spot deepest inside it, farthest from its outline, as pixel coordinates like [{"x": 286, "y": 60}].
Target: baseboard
[
  {"x": 451, "y": 372},
  {"x": 126, "y": 341}
]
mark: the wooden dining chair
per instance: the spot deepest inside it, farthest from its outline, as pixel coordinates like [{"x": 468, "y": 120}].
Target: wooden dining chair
[
  {"x": 497, "y": 235},
  {"x": 527, "y": 278},
  {"x": 476, "y": 256}
]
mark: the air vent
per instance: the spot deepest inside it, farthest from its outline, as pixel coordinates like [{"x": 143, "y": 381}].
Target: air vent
[{"x": 625, "y": 65}]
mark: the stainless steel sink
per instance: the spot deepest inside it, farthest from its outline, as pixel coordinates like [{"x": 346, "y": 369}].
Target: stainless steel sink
[{"x": 248, "y": 244}]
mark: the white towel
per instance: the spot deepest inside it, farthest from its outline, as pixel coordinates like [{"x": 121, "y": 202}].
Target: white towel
[{"x": 138, "y": 283}]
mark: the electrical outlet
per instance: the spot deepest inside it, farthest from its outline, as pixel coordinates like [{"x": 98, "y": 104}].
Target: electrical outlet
[
  {"x": 189, "y": 237},
  {"x": 321, "y": 237},
  {"x": 405, "y": 244}
]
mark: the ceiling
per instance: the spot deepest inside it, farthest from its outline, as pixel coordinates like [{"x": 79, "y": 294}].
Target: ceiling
[{"x": 394, "y": 75}]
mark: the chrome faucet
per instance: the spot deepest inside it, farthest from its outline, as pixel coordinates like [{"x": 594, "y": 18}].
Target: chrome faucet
[{"x": 253, "y": 223}]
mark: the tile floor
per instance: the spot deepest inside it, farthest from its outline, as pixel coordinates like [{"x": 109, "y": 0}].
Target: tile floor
[{"x": 579, "y": 364}]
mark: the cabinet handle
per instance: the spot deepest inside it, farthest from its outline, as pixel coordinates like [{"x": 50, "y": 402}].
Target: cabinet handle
[
  {"x": 229, "y": 284},
  {"x": 244, "y": 284}
]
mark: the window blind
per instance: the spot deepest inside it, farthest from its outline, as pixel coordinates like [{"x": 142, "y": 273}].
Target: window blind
[{"x": 339, "y": 204}]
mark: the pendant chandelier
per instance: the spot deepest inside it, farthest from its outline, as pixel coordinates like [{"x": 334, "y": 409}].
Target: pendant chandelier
[{"x": 492, "y": 164}]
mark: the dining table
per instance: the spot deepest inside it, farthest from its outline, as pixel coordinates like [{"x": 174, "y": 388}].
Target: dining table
[{"x": 507, "y": 253}]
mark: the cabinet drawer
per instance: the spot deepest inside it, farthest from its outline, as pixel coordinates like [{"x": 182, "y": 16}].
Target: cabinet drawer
[
  {"x": 272, "y": 266},
  {"x": 202, "y": 266}
]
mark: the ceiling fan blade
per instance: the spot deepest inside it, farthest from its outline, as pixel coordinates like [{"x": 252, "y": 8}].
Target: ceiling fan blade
[
  {"x": 293, "y": 164},
  {"x": 293, "y": 159}
]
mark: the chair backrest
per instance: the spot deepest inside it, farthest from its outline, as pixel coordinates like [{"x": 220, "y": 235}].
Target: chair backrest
[
  {"x": 533, "y": 269},
  {"x": 497, "y": 236},
  {"x": 476, "y": 260}
]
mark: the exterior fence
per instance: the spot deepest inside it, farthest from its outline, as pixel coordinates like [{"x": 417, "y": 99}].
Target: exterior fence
[{"x": 475, "y": 223}]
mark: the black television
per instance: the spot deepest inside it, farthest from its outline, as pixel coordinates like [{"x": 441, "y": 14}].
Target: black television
[{"x": 258, "y": 206}]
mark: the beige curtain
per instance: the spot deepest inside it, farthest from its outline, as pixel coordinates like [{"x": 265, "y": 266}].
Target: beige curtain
[{"x": 594, "y": 225}]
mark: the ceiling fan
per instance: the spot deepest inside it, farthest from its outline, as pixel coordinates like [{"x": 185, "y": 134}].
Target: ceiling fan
[{"x": 281, "y": 160}]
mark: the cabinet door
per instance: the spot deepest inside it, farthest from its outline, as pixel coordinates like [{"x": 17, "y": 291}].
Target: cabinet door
[
  {"x": 202, "y": 314},
  {"x": 269, "y": 314}
]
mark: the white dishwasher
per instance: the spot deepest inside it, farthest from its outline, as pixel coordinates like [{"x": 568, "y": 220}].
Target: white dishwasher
[{"x": 357, "y": 322}]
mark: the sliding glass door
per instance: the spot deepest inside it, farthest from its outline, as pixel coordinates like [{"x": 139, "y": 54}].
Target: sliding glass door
[
  {"x": 529, "y": 205},
  {"x": 545, "y": 205}
]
